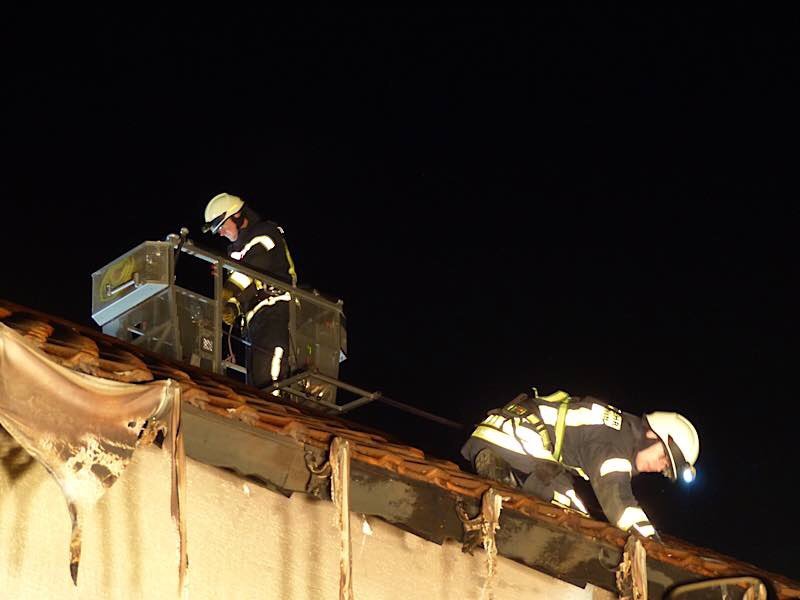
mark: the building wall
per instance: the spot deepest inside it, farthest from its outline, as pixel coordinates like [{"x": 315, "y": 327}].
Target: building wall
[{"x": 244, "y": 542}]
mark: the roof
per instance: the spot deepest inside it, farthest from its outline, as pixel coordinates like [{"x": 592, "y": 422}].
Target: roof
[{"x": 420, "y": 492}]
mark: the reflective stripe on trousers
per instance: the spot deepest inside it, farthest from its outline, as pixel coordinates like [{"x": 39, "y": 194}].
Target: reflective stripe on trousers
[
  {"x": 526, "y": 441},
  {"x": 268, "y": 334}
]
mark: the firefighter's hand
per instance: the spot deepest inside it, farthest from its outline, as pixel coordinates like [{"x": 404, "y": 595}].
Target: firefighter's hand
[{"x": 229, "y": 314}]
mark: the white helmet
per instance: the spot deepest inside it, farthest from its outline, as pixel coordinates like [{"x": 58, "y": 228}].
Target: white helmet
[
  {"x": 681, "y": 441},
  {"x": 219, "y": 209}
]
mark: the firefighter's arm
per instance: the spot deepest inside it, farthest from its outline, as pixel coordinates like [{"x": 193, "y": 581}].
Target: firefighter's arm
[
  {"x": 242, "y": 287},
  {"x": 262, "y": 251},
  {"x": 610, "y": 476}
]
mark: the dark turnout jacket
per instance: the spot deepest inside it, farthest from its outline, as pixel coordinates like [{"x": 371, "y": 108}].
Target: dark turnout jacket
[
  {"x": 600, "y": 444},
  {"x": 260, "y": 246}
]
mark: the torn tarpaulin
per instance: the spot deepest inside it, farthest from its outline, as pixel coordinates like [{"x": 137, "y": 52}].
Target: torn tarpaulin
[{"x": 83, "y": 429}]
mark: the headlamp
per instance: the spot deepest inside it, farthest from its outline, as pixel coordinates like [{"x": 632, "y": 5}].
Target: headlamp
[
  {"x": 688, "y": 474},
  {"x": 678, "y": 466}
]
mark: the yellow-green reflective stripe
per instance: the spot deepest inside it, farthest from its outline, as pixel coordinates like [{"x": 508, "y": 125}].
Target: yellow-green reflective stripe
[
  {"x": 268, "y": 302},
  {"x": 631, "y": 515},
  {"x": 645, "y": 530},
  {"x": 560, "y": 426},
  {"x": 275, "y": 367},
  {"x": 615, "y": 465},
  {"x": 576, "y": 417},
  {"x": 559, "y": 396},
  {"x": 240, "y": 280},
  {"x": 531, "y": 443},
  {"x": 259, "y": 239},
  {"x": 577, "y": 501},
  {"x": 560, "y": 498}
]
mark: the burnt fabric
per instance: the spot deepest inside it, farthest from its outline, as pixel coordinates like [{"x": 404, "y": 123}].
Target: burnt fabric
[{"x": 83, "y": 429}]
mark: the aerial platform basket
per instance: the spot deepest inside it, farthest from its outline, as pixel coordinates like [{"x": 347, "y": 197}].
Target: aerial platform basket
[{"x": 135, "y": 298}]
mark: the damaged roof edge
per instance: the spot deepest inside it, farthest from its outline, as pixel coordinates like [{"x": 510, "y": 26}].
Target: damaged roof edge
[
  {"x": 424, "y": 509},
  {"x": 281, "y": 444}
]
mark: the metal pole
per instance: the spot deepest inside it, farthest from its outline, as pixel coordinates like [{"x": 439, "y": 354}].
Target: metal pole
[
  {"x": 343, "y": 385},
  {"x": 286, "y": 382},
  {"x": 366, "y": 396},
  {"x": 211, "y": 257},
  {"x": 217, "y": 359},
  {"x": 379, "y": 397},
  {"x": 353, "y": 404}
]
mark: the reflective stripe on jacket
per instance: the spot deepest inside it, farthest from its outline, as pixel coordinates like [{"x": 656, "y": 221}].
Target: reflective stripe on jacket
[{"x": 261, "y": 247}]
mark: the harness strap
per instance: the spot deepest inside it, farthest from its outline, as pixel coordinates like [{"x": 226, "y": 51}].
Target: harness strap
[
  {"x": 525, "y": 410},
  {"x": 561, "y": 426}
]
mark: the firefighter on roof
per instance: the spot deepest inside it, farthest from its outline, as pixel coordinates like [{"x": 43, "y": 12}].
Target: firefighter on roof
[
  {"x": 538, "y": 443},
  {"x": 259, "y": 245}
]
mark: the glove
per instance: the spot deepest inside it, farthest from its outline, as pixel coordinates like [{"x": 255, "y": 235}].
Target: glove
[{"x": 229, "y": 314}]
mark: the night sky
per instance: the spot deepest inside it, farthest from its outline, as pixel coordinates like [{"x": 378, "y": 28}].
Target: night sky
[{"x": 603, "y": 202}]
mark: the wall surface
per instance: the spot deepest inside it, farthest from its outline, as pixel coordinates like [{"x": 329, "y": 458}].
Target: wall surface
[{"x": 244, "y": 542}]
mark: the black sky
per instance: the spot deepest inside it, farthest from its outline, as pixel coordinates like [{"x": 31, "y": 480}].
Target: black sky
[{"x": 603, "y": 202}]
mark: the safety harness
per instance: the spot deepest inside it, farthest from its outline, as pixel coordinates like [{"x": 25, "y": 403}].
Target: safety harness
[{"x": 526, "y": 409}]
